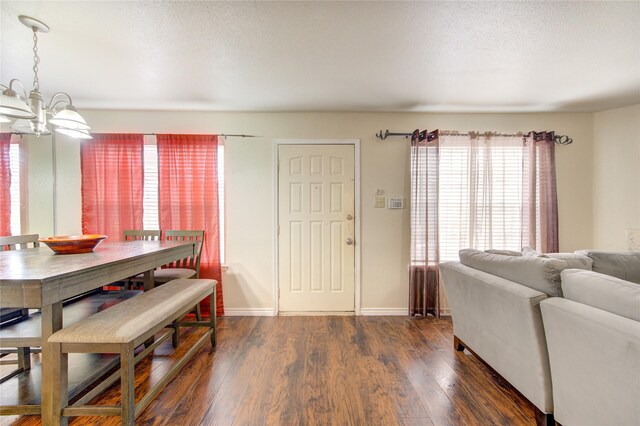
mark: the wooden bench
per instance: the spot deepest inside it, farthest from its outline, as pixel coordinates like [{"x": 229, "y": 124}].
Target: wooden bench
[
  {"x": 122, "y": 328},
  {"x": 25, "y": 334}
]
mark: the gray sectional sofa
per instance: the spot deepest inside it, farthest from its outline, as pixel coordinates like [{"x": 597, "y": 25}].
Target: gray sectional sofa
[{"x": 531, "y": 317}]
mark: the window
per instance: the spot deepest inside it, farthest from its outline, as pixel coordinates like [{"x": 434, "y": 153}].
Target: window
[
  {"x": 150, "y": 219},
  {"x": 14, "y": 165},
  {"x": 475, "y": 191},
  {"x": 479, "y": 204}
]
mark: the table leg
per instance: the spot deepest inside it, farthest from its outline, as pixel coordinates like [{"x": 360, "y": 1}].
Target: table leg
[
  {"x": 149, "y": 282},
  {"x": 52, "y": 376}
]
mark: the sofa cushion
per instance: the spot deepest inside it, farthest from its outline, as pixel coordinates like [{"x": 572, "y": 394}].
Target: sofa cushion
[
  {"x": 574, "y": 260},
  {"x": 531, "y": 252},
  {"x": 601, "y": 291},
  {"x": 504, "y": 252},
  {"x": 539, "y": 273},
  {"x": 623, "y": 265}
]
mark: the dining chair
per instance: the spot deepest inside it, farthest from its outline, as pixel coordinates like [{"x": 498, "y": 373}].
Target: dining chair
[
  {"x": 19, "y": 242},
  {"x": 184, "y": 268},
  {"x": 8, "y": 345},
  {"x": 138, "y": 235},
  {"x": 141, "y": 234},
  {"x": 189, "y": 267}
]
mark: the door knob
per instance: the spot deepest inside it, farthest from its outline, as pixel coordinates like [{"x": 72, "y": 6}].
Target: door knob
[
  {"x": 349, "y": 217},
  {"x": 349, "y": 241}
]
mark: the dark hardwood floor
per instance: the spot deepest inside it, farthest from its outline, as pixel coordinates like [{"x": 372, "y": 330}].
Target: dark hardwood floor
[{"x": 325, "y": 371}]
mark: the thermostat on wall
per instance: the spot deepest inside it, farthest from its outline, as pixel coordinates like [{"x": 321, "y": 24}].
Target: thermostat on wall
[{"x": 396, "y": 203}]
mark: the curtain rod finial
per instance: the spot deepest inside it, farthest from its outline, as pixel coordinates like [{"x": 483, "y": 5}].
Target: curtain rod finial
[{"x": 381, "y": 135}]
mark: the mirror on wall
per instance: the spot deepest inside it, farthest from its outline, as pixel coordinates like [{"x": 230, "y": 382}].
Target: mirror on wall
[
  {"x": 46, "y": 184},
  {"x": 37, "y": 192}
]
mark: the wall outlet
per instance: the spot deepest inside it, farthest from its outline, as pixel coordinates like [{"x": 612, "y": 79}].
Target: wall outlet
[
  {"x": 380, "y": 202},
  {"x": 633, "y": 239}
]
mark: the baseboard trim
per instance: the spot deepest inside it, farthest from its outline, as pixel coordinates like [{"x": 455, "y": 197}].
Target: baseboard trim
[
  {"x": 384, "y": 311},
  {"x": 268, "y": 312},
  {"x": 252, "y": 312},
  {"x": 317, "y": 314}
]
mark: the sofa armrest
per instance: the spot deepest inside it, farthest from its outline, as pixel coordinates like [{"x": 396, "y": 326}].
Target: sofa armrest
[
  {"x": 500, "y": 321},
  {"x": 595, "y": 364}
]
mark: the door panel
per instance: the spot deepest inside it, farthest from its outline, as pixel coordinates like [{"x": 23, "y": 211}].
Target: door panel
[{"x": 316, "y": 228}]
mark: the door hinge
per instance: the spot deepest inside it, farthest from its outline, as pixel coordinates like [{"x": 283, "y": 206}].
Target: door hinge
[
  {"x": 278, "y": 229},
  {"x": 278, "y": 166},
  {"x": 278, "y": 292}
]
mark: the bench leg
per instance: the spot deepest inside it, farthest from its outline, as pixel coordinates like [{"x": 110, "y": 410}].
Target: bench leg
[
  {"x": 54, "y": 369},
  {"x": 212, "y": 317},
  {"x": 24, "y": 359},
  {"x": 198, "y": 313},
  {"x": 149, "y": 283},
  {"x": 60, "y": 388},
  {"x": 127, "y": 388},
  {"x": 175, "y": 338}
]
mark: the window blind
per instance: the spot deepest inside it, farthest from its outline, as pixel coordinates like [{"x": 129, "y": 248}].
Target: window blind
[
  {"x": 150, "y": 187},
  {"x": 14, "y": 189},
  {"x": 479, "y": 196}
]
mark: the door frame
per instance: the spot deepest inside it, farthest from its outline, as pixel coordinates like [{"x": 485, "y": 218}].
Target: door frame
[{"x": 357, "y": 223}]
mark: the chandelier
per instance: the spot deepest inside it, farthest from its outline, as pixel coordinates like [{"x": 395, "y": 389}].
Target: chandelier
[{"x": 30, "y": 114}]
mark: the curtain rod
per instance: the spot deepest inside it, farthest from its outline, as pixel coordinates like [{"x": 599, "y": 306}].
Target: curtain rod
[
  {"x": 153, "y": 134},
  {"x": 210, "y": 134},
  {"x": 559, "y": 139}
]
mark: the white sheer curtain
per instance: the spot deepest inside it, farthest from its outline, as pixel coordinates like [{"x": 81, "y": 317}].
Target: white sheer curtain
[
  {"x": 480, "y": 183},
  {"x": 477, "y": 190}
]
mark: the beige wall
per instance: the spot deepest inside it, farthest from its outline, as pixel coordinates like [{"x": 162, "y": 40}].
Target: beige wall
[
  {"x": 384, "y": 244},
  {"x": 68, "y": 217},
  {"x": 616, "y": 176}
]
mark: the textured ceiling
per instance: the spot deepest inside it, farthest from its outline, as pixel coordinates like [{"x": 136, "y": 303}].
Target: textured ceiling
[{"x": 331, "y": 56}]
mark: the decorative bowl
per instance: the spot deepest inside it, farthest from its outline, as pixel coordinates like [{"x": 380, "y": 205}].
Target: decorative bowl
[{"x": 73, "y": 244}]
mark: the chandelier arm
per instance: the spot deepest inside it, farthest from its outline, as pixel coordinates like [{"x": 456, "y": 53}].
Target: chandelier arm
[
  {"x": 15, "y": 80},
  {"x": 53, "y": 104}
]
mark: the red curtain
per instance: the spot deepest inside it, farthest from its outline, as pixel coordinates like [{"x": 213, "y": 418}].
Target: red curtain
[
  {"x": 188, "y": 194},
  {"x": 112, "y": 183},
  {"x": 5, "y": 185}
]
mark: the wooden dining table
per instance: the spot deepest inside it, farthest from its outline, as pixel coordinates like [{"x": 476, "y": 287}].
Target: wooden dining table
[{"x": 38, "y": 278}]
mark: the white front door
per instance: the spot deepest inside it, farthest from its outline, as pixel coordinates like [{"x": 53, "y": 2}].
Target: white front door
[{"x": 316, "y": 216}]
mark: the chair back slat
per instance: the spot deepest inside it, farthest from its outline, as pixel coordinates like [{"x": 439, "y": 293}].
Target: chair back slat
[
  {"x": 142, "y": 234},
  {"x": 19, "y": 242},
  {"x": 191, "y": 262}
]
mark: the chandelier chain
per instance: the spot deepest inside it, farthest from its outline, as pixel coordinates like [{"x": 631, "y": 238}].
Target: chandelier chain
[{"x": 36, "y": 61}]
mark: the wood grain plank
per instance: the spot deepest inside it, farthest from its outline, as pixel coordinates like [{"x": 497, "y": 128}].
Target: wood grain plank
[
  {"x": 322, "y": 371},
  {"x": 391, "y": 374},
  {"x": 218, "y": 398},
  {"x": 499, "y": 399}
]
